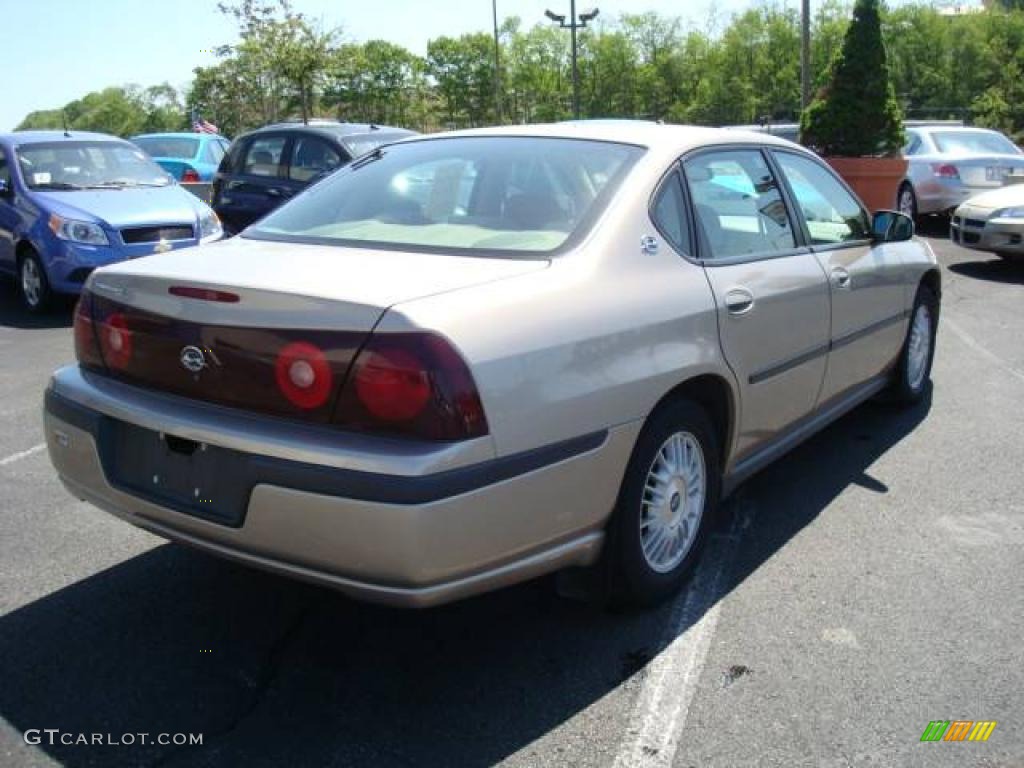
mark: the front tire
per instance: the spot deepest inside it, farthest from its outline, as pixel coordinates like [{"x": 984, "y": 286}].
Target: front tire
[
  {"x": 666, "y": 505},
  {"x": 33, "y": 284},
  {"x": 914, "y": 369}
]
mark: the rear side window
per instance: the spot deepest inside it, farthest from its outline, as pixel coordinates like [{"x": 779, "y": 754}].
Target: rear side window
[
  {"x": 213, "y": 152},
  {"x": 263, "y": 157},
  {"x": 832, "y": 214},
  {"x": 669, "y": 213},
  {"x": 312, "y": 157},
  {"x": 738, "y": 204},
  {"x": 5, "y": 171}
]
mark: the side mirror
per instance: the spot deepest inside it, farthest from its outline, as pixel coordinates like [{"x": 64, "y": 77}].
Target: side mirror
[{"x": 891, "y": 227}]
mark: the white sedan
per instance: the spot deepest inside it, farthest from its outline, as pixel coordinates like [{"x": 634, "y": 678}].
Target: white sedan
[{"x": 993, "y": 222}]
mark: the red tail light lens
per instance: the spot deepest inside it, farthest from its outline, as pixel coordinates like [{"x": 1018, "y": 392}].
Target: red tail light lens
[
  {"x": 116, "y": 341},
  {"x": 414, "y": 384},
  {"x": 945, "y": 171},
  {"x": 303, "y": 375},
  {"x": 190, "y": 176},
  {"x": 87, "y": 351}
]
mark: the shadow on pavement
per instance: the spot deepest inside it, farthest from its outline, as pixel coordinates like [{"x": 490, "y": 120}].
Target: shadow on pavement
[
  {"x": 14, "y": 315},
  {"x": 996, "y": 271},
  {"x": 275, "y": 672}
]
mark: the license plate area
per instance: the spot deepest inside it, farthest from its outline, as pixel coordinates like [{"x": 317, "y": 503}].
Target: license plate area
[
  {"x": 995, "y": 173},
  {"x": 198, "y": 479}
]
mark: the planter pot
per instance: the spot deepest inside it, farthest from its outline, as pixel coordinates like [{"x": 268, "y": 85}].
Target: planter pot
[{"x": 876, "y": 180}]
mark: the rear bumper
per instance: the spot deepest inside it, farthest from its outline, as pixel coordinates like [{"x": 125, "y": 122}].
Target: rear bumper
[
  {"x": 943, "y": 195},
  {"x": 408, "y": 540}
]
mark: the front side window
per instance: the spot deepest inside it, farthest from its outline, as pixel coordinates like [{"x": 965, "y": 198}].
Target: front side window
[
  {"x": 87, "y": 165},
  {"x": 738, "y": 204},
  {"x": 491, "y": 195},
  {"x": 263, "y": 158},
  {"x": 832, "y": 214},
  {"x": 5, "y": 171},
  {"x": 312, "y": 157}
]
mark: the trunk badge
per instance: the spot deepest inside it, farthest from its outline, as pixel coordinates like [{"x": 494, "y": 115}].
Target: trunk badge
[{"x": 192, "y": 359}]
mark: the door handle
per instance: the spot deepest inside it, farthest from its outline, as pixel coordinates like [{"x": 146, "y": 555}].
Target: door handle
[
  {"x": 739, "y": 301},
  {"x": 841, "y": 277}
]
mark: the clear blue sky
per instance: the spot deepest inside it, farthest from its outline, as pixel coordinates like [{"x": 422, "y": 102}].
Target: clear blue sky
[{"x": 58, "y": 50}]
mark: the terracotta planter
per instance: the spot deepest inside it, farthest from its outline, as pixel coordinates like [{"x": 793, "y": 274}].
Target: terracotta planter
[{"x": 876, "y": 180}]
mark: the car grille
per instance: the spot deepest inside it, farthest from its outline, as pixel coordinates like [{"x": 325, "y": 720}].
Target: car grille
[
  {"x": 971, "y": 237},
  {"x": 156, "y": 234},
  {"x": 976, "y": 223}
]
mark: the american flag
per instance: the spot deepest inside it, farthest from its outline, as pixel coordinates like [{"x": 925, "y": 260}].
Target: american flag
[{"x": 199, "y": 125}]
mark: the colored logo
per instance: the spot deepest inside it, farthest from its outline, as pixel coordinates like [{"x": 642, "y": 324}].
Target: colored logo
[{"x": 958, "y": 730}]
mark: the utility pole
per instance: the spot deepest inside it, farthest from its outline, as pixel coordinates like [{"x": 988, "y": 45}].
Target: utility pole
[
  {"x": 497, "y": 65},
  {"x": 805, "y": 53},
  {"x": 572, "y": 26}
]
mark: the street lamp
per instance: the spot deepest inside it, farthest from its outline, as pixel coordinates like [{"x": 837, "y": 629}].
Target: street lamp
[{"x": 572, "y": 25}]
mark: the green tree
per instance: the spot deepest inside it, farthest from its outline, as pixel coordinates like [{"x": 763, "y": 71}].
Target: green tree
[{"x": 856, "y": 114}]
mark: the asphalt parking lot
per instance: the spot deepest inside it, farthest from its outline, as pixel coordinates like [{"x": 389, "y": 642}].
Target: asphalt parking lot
[{"x": 869, "y": 583}]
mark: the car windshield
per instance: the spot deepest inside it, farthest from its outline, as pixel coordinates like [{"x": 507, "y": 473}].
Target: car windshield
[
  {"x": 179, "y": 147},
  {"x": 974, "y": 142},
  {"x": 88, "y": 165},
  {"x": 510, "y": 196}
]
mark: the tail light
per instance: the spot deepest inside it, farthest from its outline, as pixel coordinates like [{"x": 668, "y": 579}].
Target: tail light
[
  {"x": 945, "y": 171},
  {"x": 115, "y": 340},
  {"x": 414, "y": 384},
  {"x": 87, "y": 351},
  {"x": 190, "y": 176},
  {"x": 303, "y": 375}
]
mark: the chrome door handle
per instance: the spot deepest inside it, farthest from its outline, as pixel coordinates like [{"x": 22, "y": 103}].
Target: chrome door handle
[
  {"x": 841, "y": 277},
  {"x": 739, "y": 301}
]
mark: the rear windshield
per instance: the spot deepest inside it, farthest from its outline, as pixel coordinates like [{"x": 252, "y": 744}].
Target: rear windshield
[
  {"x": 172, "y": 146},
  {"x": 360, "y": 145},
  {"x": 974, "y": 142},
  {"x": 510, "y": 196}
]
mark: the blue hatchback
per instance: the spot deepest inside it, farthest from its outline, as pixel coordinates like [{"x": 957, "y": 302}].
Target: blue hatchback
[
  {"x": 71, "y": 202},
  {"x": 187, "y": 157}
]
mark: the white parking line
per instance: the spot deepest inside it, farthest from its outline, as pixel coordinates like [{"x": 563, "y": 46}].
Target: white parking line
[
  {"x": 670, "y": 679},
  {"x": 22, "y": 455},
  {"x": 974, "y": 344}
]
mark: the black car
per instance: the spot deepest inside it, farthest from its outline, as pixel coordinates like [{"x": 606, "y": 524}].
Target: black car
[{"x": 267, "y": 166}]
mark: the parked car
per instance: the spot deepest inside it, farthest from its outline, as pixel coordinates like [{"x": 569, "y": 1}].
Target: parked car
[
  {"x": 71, "y": 202},
  {"x": 992, "y": 221},
  {"x": 270, "y": 165},
  {"x": 949, "y": 164},
  {"x": 188, "y": 157},
  {"x": 554, "y": 349}
]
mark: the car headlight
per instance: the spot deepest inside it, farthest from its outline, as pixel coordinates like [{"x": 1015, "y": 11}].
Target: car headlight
[
  {"x": 209, "y": 225},
  {"x": 1017, "y": 212},
  {"x": 78, "y": 231}
]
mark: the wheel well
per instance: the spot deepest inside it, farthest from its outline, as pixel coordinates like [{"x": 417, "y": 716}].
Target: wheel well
[
  {"x": 713, "y": 393},
  {"x": 932, "y": 280},
  {"x": 23, "y": 249}
]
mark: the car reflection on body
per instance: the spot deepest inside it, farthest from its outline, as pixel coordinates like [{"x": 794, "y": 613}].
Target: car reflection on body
[{"x": 470, "y": 359}]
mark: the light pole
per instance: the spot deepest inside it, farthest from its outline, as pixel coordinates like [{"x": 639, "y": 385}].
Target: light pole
[
  {"x": 497, "y": 65},
  {"x": 572, "y": 25},
  {"x": 805, "y": 54}
]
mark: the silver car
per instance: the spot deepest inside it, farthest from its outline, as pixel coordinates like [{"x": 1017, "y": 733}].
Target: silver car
[
  {"x": 947, "y": 164},
  {"x": 470, "y": 359},
  {"x": 993, "y": 222}
]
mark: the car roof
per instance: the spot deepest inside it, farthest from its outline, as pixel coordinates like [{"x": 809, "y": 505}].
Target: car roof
[
  {"x": 668, "y": 138},
  {"x": 178, "y": 135},
  {"x": 39, "y": 137},
  {"x": 933, "y": 127},
  {"x": 336, "y": 130}
]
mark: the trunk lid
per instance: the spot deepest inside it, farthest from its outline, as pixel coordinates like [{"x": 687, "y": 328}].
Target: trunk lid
[{"x": 228, "y": 348}]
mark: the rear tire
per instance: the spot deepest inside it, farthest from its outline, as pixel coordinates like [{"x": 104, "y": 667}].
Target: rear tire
[
  {"x": 666, "y": 505},
  {"x": 913, "y": 372},
  {"x": 33, "y": 285}
]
